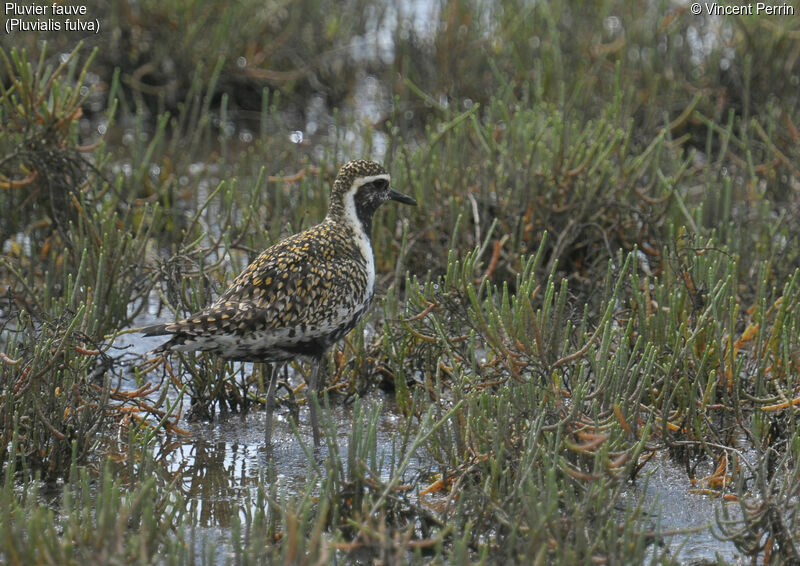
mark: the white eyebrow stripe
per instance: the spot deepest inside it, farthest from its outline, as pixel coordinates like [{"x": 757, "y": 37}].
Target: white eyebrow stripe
[{"x": 361, "y": 181}]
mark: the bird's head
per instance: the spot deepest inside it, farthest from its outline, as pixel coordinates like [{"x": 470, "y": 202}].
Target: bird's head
[{"x": 359, "y": 189}]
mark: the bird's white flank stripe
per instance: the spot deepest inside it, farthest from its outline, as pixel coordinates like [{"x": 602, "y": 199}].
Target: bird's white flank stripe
[{"x": 362, "y": 238}]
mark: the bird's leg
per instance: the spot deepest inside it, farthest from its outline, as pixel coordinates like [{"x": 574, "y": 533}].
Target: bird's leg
[
  {"x": 273, "y": 377},
  {"x": 313, "y": 390}
]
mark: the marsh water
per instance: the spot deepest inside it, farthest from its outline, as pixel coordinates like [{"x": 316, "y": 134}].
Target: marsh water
[{"x": 218, "y": 464}]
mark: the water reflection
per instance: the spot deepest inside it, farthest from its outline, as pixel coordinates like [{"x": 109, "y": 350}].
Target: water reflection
[
  {"x": 668, "y": 494},
  {"x": 218, "y": 466}
]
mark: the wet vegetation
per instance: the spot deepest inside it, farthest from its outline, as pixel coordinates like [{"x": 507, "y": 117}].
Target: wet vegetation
[{"x": 603, "y": 268}]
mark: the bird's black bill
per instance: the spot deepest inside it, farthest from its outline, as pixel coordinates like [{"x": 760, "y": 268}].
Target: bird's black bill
[{"x": 400, "y": 197}]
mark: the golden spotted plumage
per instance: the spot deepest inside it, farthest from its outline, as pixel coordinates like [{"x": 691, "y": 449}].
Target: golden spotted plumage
[{"x": 304, "y": 293}]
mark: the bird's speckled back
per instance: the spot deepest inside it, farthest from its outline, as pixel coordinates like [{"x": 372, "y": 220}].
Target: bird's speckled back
[{"x": 302, "y": 294}]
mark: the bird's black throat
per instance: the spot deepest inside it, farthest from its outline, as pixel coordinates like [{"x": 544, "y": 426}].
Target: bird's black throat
[{"x": 367, "y": 202}]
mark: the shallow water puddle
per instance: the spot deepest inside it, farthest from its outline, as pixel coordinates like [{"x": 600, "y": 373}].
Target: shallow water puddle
[
  {"x": 220, "y": 461},
  {"x": 674, "y": 508},
  {"x": 218, "y": 465}
]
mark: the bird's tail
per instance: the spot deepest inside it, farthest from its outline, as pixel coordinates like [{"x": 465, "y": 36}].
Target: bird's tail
[
  {"x": 155, "y": 330},
  {"x": 159, "y": 330}
]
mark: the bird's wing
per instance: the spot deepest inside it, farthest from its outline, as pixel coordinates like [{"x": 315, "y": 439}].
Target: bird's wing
[{"x": 296, "y": 284}]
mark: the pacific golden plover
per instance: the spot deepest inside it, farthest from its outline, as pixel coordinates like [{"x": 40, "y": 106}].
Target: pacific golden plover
[{"x": 301, "y": 295}]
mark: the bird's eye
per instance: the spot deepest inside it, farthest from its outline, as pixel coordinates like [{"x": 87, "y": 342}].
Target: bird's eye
[{"x": 380, "y": 184}]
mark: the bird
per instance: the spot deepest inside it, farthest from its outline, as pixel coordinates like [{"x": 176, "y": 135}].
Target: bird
[{"x": 301, "y": 295}]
